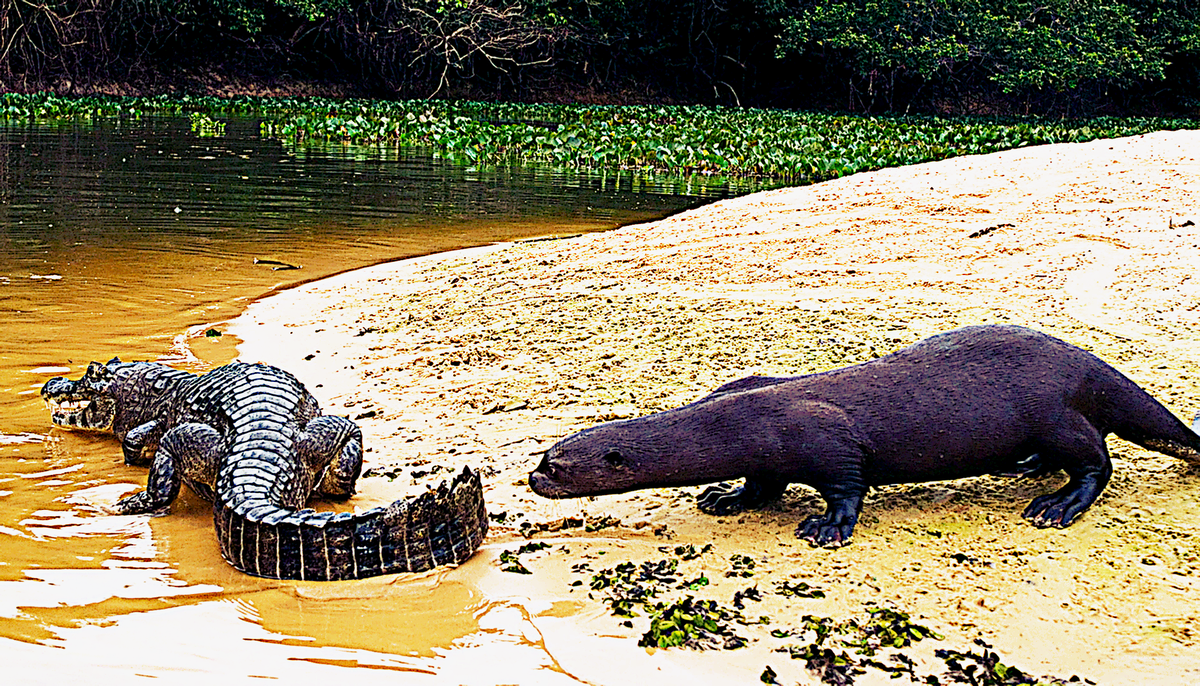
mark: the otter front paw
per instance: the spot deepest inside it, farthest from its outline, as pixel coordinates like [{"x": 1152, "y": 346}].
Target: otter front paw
[
  {"x": 722, "y": 499},
  {"x": 824, "y": 534},
  {"x": 1055, "y": 510},
  {"x": 832, "y": 529}
]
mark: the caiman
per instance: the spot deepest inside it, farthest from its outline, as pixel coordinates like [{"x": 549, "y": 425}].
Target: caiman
[{"x": 251, "y": 439}]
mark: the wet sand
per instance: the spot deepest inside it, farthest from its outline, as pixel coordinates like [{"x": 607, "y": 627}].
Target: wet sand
[{"x": 486, "y": 356}]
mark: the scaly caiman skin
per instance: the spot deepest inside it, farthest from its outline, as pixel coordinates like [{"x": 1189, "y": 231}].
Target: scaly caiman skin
[{"x": 250, "y": 438}]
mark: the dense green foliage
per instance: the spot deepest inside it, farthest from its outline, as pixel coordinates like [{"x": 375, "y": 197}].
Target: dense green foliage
[
  {"x": 1066, "y": 52},
  {"x": 777, "y": 144},
  {"x": 1048, "y": 56}
]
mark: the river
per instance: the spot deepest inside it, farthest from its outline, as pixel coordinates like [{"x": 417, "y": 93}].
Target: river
[{"x": 133, "y": 238}]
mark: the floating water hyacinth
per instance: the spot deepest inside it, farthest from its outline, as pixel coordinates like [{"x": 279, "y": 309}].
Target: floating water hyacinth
[{"x": 789, "y": 146}]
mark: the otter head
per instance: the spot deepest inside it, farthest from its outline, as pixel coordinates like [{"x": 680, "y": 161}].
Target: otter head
[
  {"x": 609, "y": 458},
  {"x": 87, "y": 403}
]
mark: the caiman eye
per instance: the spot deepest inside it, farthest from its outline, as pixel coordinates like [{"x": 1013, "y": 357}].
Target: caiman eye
[
  {"x": 614, "y": 458},
  {"x": 96, "y": 371}
]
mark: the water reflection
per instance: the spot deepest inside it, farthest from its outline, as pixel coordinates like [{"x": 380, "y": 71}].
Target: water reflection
[
  {"x": 131, "y": 238},
  {"x": 192, "y": 644}
]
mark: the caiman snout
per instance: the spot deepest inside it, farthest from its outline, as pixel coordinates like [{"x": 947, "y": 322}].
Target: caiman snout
[
  {"x": 57, "y": 386},
  {"x": 75, "y": 405}
]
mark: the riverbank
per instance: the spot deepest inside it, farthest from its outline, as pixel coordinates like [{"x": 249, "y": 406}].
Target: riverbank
[{"x": 486, "y": 356}]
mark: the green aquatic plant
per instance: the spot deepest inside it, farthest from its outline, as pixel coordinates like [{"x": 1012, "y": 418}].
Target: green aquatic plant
[
  {"x": 696, "y": 624},
  {"x": 891, "y": 630},
  {"x": 828, "y": 665},
  {"x": 982, "y": 669},
  {"x": 510, "y": 560},
  {"x": 628, "y": 585},
  {"x": 600, "y": 523},
  {"x": 742, "y": 566},
  {"x": 886, "y": 628},
  {"x": 798, "y": 589},
  {"x": 206, "y": 127},
  {"x": 781, "y": 145},
  {"x": 686, "y": 552}
]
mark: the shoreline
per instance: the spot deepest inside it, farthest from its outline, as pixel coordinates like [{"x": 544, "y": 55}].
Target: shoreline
[{"x": 484, "y": 356}]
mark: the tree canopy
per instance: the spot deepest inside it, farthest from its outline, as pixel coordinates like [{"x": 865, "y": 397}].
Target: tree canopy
[{"x": 1062, "y": 56}]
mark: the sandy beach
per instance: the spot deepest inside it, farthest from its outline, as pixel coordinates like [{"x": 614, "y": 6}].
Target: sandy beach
[{"x": 486, "y": 356}]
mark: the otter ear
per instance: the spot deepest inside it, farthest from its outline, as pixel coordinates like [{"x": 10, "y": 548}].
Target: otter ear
[{"x": 614, "y": 458}]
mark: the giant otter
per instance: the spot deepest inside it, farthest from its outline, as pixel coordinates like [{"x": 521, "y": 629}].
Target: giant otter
[{"x": 977, "y": 400}]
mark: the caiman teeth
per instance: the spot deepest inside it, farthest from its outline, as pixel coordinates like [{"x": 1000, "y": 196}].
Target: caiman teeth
[
  {"x": 68, "y": 414},
  {"x": 66, "y": 405}
]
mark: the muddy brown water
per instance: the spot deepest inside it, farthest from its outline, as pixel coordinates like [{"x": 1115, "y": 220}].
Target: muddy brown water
[{"x": 133, "y": 239}]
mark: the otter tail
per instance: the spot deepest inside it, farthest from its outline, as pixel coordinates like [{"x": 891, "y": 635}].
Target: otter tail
[
  {"x": 1179, "y": 441},
  {"x": 1136, "y": 416},
  {"x": 1194, "y": 456}
]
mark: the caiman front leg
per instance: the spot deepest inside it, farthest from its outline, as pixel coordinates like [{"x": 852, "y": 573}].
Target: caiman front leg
[
  {"x": 135, "y": 444},
  {"x": 191, "y": 449},
  {"x": 332, "y": 447}
]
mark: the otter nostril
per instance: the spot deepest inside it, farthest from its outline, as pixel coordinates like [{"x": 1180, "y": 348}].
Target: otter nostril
[{"x": 614, "y": 458}]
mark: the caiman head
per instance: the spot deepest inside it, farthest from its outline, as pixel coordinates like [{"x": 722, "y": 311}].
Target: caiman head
[{"x": 87, "y": 403}]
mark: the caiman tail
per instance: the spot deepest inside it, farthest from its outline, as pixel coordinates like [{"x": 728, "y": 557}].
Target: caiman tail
[{"x": 438, "y": 527}]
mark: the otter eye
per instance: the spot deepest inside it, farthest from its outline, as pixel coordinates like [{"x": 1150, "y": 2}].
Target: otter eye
[
  {"x": 614, "y": 458},
  {"x": 545, "y": 466}
]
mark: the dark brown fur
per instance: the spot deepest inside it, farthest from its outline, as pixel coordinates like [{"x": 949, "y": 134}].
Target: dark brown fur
[{"x": 978, "y": 400}]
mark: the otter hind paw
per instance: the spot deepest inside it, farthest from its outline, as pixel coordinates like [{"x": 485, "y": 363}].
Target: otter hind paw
[
  {"x": 722, "y": 499},
  {"x": 1032, "y": 467},
  {"x": 727, "y": 499}
]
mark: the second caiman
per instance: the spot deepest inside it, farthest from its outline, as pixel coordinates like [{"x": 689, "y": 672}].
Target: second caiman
[{"x": 253, "y": 440}]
